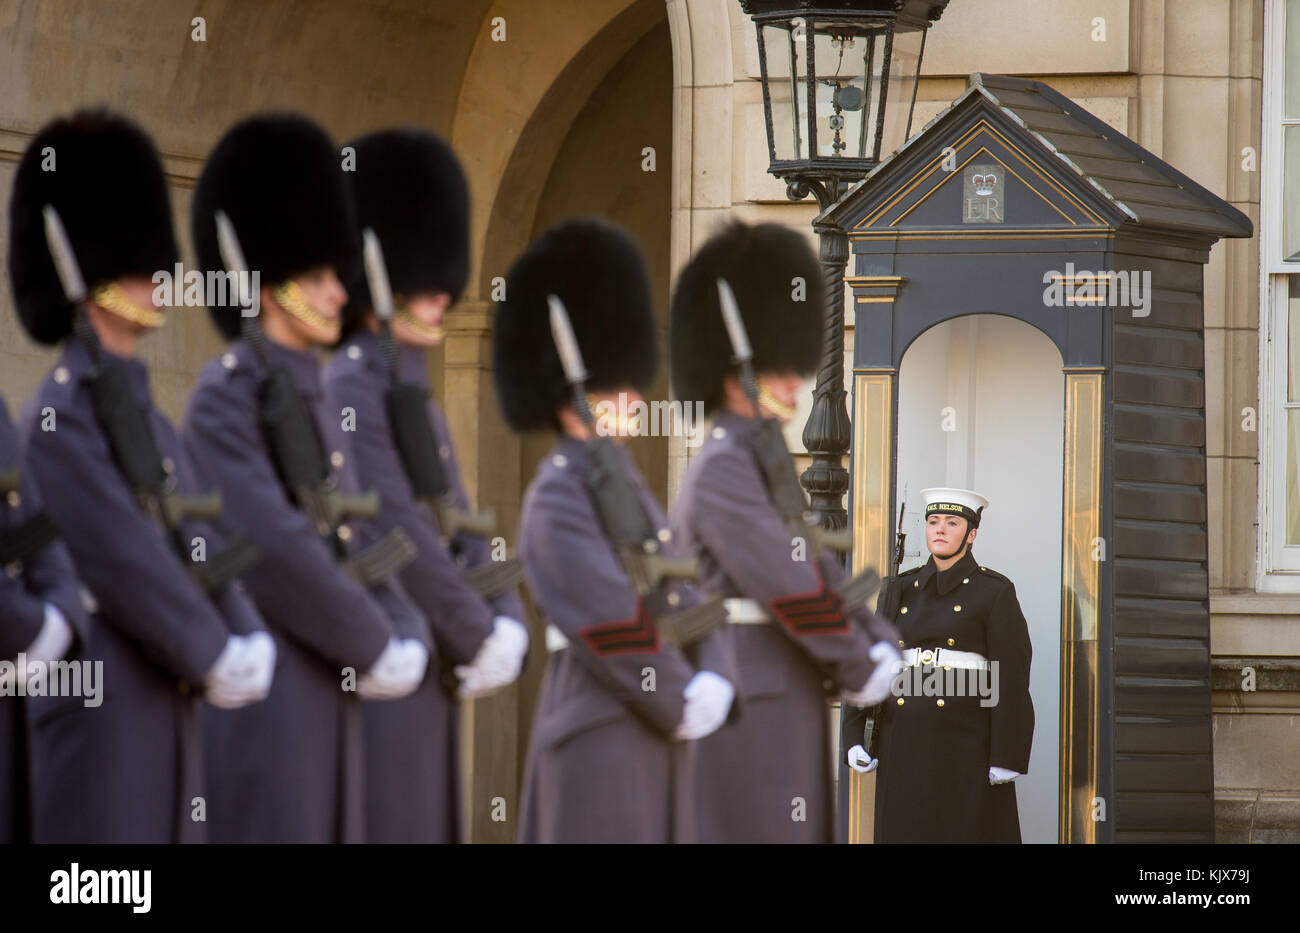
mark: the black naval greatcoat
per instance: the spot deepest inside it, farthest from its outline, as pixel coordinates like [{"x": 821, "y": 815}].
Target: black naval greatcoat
[{"x": 935, "y": 752}]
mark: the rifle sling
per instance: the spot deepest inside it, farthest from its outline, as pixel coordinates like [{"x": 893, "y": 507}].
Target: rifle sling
[
  {"x": 381, "y": 560},
  {"x": 859, "y": 588},
  {"x": 690, "y": 626},
  {"x": 238, "y": 556},
  {"x": 495, "y": 577}
]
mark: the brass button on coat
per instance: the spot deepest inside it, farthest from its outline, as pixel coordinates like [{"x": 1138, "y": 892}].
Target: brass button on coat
[
  {"x": 900, "y": 701},
  {"x": 951, "y": 642},
  {"x": 903, "y": 611},
  {"x": 939, "y": 702},
  {"x": 956, "y": 608}
]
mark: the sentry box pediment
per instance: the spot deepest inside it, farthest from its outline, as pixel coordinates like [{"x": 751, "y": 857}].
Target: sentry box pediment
[{"x": 1016, "y": 202}]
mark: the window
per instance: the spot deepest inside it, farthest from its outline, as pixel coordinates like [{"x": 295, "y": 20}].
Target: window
[{"x": 1279, "y": 551}]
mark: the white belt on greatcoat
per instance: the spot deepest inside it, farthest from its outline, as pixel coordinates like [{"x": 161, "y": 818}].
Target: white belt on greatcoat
[
  {"x": 746, "y": 612},
  {"x": 945, "y": 657},
  {"x": 555, "y": 639},
  {"x": 739, "y": 612}
]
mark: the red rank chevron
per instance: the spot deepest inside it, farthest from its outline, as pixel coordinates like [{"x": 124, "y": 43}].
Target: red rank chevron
[
  {"x": 819, "y": 612},
  {"x": 637, "y": 635}
]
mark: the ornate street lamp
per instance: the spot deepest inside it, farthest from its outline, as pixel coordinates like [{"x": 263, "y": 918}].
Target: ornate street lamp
[{"x": 839, "y": 85}]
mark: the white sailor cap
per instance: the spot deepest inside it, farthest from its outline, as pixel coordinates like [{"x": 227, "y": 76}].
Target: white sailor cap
[{"x": 941, "y": 500}]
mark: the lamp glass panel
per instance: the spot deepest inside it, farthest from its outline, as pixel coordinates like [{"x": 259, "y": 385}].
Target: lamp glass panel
[
  {"x": 849, "y": 60},
  {"x": 785, "y": 50},
  {"x": 904, "y": 69}
]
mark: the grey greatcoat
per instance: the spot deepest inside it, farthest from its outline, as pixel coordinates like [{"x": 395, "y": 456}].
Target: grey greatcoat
[
  {"x": 601, "y": 764},
  {"x": 130, "y": 769},
  {"x": 290, "y": 769},
  {"x": 767, "y": 777},
  {"x": 26, "y": 586},
  {"x": 415, "y": 740}
]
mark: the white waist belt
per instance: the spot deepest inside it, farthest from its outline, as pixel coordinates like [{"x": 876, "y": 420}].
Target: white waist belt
[
  {"x": 555, "y": 639},
  {"x": 746, "y": 612},
  {"x": 945, "y": 657},
  {"x": 739, "y": 612}
]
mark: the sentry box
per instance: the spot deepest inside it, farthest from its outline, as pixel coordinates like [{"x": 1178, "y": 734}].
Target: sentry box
[{"x": 1029, "y": 302}]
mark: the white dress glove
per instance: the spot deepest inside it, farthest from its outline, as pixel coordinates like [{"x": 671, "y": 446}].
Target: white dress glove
[
  {"x": 708, "y": 701},
  {"x": 397, "y": 672},
  {"x": 51, "y": 644},
  {"x": 498, "y": 661},
  {"x": 243, "y": 671},
  {"x": 877, "y": 688},
  {"x": 860, "y": 761},
  {"x": 1002, "y": 775}
]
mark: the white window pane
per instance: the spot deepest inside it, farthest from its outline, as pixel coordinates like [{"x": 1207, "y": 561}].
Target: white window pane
[
  {"x": 1291, "y": 192},
  {"x": 1293, "y": 477},
  {"x": 1293, "y": 338},
  {"x": 1291, "y": 62}
]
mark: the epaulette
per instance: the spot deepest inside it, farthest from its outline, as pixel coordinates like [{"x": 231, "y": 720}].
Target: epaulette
[{"x": 994, "y": 574}]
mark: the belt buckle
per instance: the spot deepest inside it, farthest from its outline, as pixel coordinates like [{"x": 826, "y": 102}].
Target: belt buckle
[{"x": 927, "y": 656}]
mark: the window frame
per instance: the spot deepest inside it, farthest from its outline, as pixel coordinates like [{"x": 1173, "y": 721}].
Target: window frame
[{"x": 1278, "y": 566}]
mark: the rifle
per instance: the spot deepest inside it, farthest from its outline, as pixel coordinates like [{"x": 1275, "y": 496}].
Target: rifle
[
  {"x": 294, "y": 443},
  {"x": 776, "y": 465},
  {"x": 417, "y": 444},
  {"x": 131, "y": 440},
  {"x": 621, "y": 514},
  {"x": 900, "y": 538}
]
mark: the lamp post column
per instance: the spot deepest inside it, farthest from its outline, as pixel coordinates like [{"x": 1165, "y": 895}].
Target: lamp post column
[{"x": 828, "y": 433}]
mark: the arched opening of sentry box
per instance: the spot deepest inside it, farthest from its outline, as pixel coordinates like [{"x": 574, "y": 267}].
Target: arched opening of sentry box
[{"x": 979, "y": 407}]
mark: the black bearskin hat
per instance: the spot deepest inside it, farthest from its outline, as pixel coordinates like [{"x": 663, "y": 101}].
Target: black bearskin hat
[
  {"x": 409, "y": 188},
  {"x": 761, "y": 264},
  {"x": 597, "y": 270},
  {"x": 103, "y": 175},
  {"x": 279, "y": 177}
]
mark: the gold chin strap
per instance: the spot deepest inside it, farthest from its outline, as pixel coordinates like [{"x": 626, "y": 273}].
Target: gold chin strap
[
  {"x": 418, "y": 327},
  {"x": 772, "y": 404},
  {"x": 111, "y": 298},
  {"x": 290, "y": 297}
]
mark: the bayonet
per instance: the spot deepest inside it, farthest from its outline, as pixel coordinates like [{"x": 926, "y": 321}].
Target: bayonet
[{"x": 65, "y": 260}]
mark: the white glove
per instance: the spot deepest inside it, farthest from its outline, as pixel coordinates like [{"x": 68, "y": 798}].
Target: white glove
[
  {"x": 498, "y": 661},
  {"x": 243, "y": 671},
  {"x": 708, "y": 701},
  {"x": 51, "y": 644},
  {"x": 1002, "y": 775},
  {"x": 876, "y": 690},
  {"x": 397, "y": 672},
  {"x": 860, "y": 761}
]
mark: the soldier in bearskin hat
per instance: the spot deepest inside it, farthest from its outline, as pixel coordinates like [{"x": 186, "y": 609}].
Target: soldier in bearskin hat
[
  {"x": 89, "y": 227},
  {"x": 797, "y": 630},
  {"x": 271, "y": 200},
  {"x": 966, "y": 657},
  {"x": 411, "y": 197},
  {"x": 610, "y": 757}
]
